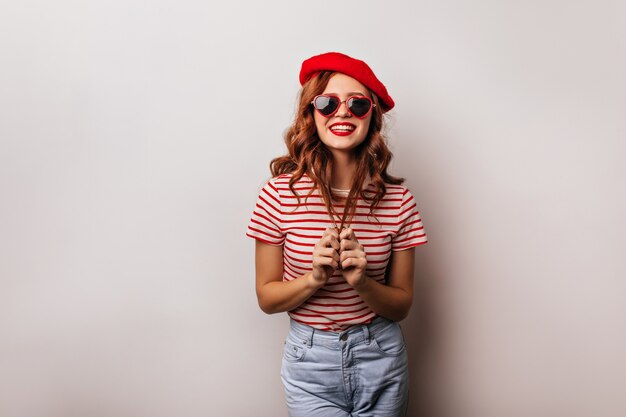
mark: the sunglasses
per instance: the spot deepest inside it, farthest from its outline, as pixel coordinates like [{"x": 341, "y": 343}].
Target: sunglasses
[{"x": 327, "y": 105}]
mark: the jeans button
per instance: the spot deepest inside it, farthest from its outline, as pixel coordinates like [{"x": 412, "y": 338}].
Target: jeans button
[{"x": 344, "y": 337}]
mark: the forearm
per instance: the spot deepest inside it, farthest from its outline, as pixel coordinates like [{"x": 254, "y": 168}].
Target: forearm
[
  {"x": 279, "y": 296},
  {"x": 390, "y": 302}
]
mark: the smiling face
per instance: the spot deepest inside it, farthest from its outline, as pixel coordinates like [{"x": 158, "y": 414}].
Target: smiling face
[{"x": 342, "y": 132}]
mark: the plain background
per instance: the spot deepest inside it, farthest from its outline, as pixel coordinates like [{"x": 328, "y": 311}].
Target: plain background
[{"x": 135, "y": 136}]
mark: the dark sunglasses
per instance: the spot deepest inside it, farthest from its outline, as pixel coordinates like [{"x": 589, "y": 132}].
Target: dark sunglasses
[{"x": 327, "y": 105}]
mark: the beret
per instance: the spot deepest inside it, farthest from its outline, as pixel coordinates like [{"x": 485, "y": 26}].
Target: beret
[{"x": 355, "y": 68}]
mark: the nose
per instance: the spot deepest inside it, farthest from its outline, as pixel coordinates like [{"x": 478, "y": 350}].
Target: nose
[{"x": 343, "y": 109}]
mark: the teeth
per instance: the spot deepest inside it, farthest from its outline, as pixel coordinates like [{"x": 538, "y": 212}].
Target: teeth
[{"x": 342, "y": 127}]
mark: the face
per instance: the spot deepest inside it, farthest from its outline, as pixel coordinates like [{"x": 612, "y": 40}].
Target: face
[{"x": 353, "y": 130}]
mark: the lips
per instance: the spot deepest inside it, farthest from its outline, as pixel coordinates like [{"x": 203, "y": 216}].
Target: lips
[{"x": 342, "y": 129}]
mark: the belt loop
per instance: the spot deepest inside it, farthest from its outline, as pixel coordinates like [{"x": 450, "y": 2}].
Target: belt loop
[
  {"x": 366, "y": 333},
  {"x": 310, "y": 338}
]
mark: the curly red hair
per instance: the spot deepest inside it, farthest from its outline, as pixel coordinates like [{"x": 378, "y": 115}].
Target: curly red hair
[{"x": 308, "y": 155}]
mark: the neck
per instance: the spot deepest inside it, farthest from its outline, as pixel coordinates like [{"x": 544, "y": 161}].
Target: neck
[{"x": 344, "y": 168}]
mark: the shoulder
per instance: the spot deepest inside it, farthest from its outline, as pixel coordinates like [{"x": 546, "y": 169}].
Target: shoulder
[
  {"x": 394, "y": 191},
  {"x": 396, "y": 188},
  {"x": 399, "y": 196},
  {"x": 281, "y": 179},
  {"x": 400, "y": 191},
  {"x": 286, "y": 178},
  {"x": 277, "y": 188},
  {"x": 282, "y": 182},
  {"x": 277, "y": 182}
]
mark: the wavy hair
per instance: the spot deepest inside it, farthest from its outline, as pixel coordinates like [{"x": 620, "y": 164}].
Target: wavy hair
[{"x": 308, "y": 155}]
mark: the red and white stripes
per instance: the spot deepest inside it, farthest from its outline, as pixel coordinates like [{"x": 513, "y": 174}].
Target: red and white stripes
[{"x": 277, "y": 220}]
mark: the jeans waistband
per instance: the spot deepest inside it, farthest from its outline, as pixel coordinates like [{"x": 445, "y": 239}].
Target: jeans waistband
[{"x": 355, "y": 334}]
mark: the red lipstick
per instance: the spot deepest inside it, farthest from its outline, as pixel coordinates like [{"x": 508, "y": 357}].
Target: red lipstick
[{"x": 342, "y": 128}]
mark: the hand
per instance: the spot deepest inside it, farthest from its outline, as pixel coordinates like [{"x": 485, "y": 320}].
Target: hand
[
  {"x": 325, "y": 257},
  {"x": 352, "y": 258}
]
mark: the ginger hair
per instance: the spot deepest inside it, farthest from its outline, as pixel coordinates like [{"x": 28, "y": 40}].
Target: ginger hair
[{"x": 307, "y": 154}]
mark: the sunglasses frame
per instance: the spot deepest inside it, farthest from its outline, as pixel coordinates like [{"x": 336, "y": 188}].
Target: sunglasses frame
[{"x": 372, "y": 105}]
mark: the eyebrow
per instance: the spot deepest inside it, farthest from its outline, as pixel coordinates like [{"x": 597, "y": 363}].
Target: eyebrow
[{"x": 351, "y": 93}]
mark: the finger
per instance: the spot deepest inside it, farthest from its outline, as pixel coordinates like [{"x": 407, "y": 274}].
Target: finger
[
  {"x": 354, "y": 263},
  {"x": 322, "y": 261},
  {"x": 325, "y": 261},
  {"x": 334, "y": 242},
  {"x": 351, "y": 245},
  {"x": 347, "y": 245},
  {"x": 348, "y": 234},
  {"x": 351, "y": 254},
  {"x": 327, "y": 232},
  {"x": 330, "y": 239},
  {"x": 327, "y": 252},
  {"x": 347, "y": 263}
]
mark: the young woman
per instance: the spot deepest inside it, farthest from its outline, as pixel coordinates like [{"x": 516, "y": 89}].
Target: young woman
[{"x": 335, "y": 237}]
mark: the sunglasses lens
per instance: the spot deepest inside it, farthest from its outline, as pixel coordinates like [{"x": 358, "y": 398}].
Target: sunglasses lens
[
  {"x": 326, "y": 104},
  {"x": 359, "y": 106}
]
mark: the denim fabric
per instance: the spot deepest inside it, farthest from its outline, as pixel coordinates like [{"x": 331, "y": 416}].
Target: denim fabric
[{"x": 358, "y": 372}]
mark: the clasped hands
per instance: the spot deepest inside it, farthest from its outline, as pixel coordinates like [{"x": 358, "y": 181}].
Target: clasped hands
[{"x": 336, "y": 249}]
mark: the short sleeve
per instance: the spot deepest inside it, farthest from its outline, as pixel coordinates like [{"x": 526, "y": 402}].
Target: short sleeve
[
  {"x": 265, "y": 223},
  {"x": 410, "y": 231}
]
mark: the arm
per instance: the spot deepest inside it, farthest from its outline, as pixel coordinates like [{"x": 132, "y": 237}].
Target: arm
[
  {"x": 275, "y": 295},
  {"x": 393, "y": 300},
  {"x": 272, "y": 293}
]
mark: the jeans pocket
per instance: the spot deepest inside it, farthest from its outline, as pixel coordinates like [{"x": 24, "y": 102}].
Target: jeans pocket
[
  {"x": 293, "y": 352},
  {"x": 389, "y": 340}
]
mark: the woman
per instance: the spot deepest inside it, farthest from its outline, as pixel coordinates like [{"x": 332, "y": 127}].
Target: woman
[{"x": 335, "y": 237}]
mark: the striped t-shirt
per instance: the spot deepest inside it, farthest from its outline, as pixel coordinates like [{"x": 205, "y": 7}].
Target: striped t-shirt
[{"x": 277, "y": 220}]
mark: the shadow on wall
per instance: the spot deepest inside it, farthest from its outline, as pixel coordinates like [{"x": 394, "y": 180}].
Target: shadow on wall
[{"x": 422, "y": 330}]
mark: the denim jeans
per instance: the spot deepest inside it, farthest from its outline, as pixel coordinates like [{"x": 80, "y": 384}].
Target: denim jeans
[{"x": 361, "y": 371}]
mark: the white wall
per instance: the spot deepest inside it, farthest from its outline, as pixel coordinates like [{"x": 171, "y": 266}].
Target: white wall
[{"x": 134, "y": 137}]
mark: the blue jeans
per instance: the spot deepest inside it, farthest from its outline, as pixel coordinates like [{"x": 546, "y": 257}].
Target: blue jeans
[{"x": 361, "y": 371}]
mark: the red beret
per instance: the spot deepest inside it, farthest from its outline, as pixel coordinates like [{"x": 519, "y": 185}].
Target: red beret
[{"x": 355, "y": 68}]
